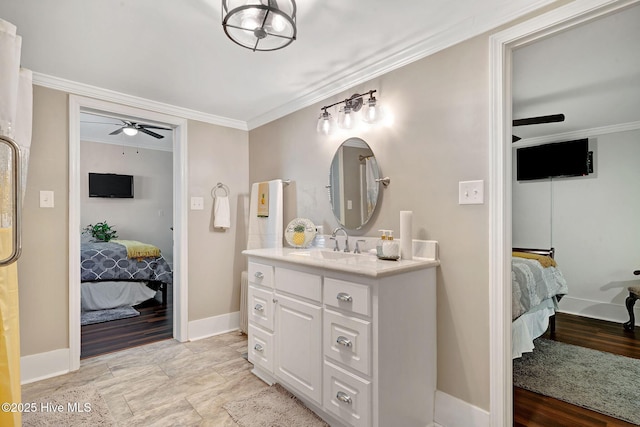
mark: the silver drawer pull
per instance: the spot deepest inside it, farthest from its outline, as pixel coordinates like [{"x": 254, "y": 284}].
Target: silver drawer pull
[
  {"x": 343, "y": 397},
  {"x": 344, "y": 297},
  {"x": 344, "y": 341},
  {"x": 259, "y": 275},
  {"x": 258, "y": 307},
  {"x": 258, "y": 347}
]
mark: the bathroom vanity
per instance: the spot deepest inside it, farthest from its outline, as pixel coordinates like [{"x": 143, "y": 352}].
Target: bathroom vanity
[{"x": 352, "y": 336}]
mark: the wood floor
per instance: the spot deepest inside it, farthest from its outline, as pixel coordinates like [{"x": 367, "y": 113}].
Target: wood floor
[
  {"x": 531, "y": 409},
  {"x": 155, "y": 323}
]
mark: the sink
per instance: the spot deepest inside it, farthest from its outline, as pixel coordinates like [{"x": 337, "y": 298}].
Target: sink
[{"x": 325, "y": 254}]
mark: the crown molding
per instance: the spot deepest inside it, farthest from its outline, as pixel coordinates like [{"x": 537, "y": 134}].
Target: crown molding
[
  {"x": 383, "y": 63},
  {"x": 578, "y": 134},
  {"x": 89, "y": 91}
]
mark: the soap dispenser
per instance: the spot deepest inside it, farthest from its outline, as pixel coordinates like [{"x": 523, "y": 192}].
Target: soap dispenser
[
  {"x": 380, "y": 242},
  {"x": 390, "y": 248}
]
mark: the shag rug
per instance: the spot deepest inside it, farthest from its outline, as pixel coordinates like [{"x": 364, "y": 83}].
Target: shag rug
[
  {"x": 78, "y": 407},
  {"x": 99, "y": 316},
  {"x": 599, "y": 381},
  {"x": 272, "y": 407}
]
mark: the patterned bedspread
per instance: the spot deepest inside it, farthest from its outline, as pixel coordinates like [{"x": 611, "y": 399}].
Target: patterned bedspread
[
  {"x": 109, "y": 261},
  {"x": 531, "y": 284}
]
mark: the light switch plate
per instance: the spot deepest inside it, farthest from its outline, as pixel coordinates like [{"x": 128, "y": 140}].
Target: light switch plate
[
  {"x": 471, "y": 192},
  {"x": 197, "y": 203},
  {"x": 46, "y": 199}
]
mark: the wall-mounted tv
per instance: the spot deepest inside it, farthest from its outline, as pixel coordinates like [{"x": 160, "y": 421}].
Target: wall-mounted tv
[
  {"x": 110, "y": 185},
  {"x": 570, "y": 158}
]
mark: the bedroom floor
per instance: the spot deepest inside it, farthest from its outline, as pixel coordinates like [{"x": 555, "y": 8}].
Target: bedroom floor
[{"x": 166, "y": 383}]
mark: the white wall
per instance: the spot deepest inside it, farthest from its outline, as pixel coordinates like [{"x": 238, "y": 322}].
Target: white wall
[
  {"x": 593, "y": 222},
  {"x": 148, "y": 217}
]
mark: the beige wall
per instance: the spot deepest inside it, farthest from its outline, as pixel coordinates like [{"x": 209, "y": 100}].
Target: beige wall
[
  {"x": 215, "y": 260},
  {"x": 439, "y": 137}
]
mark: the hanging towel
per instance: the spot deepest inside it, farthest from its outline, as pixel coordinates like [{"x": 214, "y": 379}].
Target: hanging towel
[
  {"x": 266, "y": 232},
  {"x": 221, "y": 212},
  {"x": 263, "y": 199},
  {"x": 372, "y": 185}
]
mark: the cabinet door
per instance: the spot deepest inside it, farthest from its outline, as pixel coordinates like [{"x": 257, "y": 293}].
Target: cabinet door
[{"x": 298, "y": 358}]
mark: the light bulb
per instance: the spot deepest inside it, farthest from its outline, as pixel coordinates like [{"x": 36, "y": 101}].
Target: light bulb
[
  {"x": 372, "y": 113},
  {"x": 278, "y": 23},
  {"x": 324, "y": 123},
  {"x": 250, "y": 20},
  {"x": 345, "y": 119},
  {"x": 131, "y": 131}
]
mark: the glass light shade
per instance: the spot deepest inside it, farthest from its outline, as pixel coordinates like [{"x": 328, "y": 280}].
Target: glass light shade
[
  {"x": 372, "y": 112},
  {"x": 260, "y": 25},
  {"x": 325, "y": 123},
  {"x": 131, "y": 131},
  {"x": 346, "y": 117}
]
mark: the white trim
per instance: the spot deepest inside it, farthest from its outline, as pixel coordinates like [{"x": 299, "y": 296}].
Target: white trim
[
  {"x": 500, "y": 48},
  {"x": 180, "y": 177},
  {"x": 453, "y": 412},
  {"x": 608, "y": 311},
  {"x": 216, "y": 325},
  {"x": 82, "y": 89},
  {"x": 578, "y": 134},
  {"x": 41, "y": 366},
  {"x": 147, "y": 146},
  {"x": 376, "y": 67}
]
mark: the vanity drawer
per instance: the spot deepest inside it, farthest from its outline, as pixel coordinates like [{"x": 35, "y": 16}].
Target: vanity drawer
[
  {"x": 260, "y": 348},
  {"x": 348, "y": 341},
  {"x": 298, "y": 283},
  {"x": 347, "y": 396},
  {"x": 347, "y": 296},
  {"x": 260, "y": 307},
  {"x": 260, "y": 274}
]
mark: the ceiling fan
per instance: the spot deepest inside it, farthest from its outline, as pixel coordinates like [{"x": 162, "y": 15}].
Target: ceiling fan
[
  {"x": 553, "y": 118},
  {"x": 131, "y": 128}
]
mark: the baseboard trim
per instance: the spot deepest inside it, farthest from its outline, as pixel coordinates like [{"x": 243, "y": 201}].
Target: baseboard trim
[
  {"x": 453, "y": 412},
  {"x": 37, "y": 367},
  {"x": 216, "y": 325},
  {"x": 597, "y": 310}
]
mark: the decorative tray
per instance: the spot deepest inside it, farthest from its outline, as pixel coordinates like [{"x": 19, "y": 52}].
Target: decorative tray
[{"x": 300, "y": 233}]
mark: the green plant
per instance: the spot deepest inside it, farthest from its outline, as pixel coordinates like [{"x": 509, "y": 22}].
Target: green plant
[{"x": 101, "y": 231}]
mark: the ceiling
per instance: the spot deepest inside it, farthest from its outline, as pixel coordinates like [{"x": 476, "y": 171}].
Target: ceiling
[
  {"x": 590, "y": 73},
  {"x": 176, "y": 52}
]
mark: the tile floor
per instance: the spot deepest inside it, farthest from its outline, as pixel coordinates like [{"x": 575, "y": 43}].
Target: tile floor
[{"x": 167, "y": 383}]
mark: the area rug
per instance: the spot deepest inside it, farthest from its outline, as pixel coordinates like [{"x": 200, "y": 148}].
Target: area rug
[
  {"x": 272, "y": 407},
  {"x": 99, "y": 316},
  {"x": 599, "y": 381},
  {"x": 78, "y": 407}
]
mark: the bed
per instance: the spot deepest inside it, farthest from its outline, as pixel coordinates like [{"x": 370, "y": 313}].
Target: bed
[
  {"x": 537, "y": 285},
  {"x": 120, "y": 273}
]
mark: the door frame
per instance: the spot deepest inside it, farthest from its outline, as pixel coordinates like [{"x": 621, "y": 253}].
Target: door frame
[
  {"x": 180, "y": 226},
  {"x": 500, "y": 166}
]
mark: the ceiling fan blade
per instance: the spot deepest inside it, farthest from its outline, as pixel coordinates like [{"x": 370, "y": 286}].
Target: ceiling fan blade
[
  {"x": 539, "y": 120},
  {"x": 515, "y": 138},
  {"x": 148, "y": 132},
  {"x": 154, "y": 127},
  {"x": 116, "y": 132}
]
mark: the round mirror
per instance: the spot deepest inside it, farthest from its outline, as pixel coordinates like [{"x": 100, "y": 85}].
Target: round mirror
[{"x": 353, "y": 185}]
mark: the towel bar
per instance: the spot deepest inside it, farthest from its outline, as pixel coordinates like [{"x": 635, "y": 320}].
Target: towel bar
[{"x": 219, "y": 186}]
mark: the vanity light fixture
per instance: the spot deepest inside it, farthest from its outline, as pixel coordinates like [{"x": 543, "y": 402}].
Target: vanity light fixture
[
  {"x": 346, "y": 114},
  {"x": 260, "y": 25}
]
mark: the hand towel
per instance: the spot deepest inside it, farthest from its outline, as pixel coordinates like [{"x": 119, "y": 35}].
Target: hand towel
[{"x": 221, "y": 212}]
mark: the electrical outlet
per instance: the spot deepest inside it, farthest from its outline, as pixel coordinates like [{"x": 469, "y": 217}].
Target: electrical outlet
[
  {"x": 197, "y": 203},
  {"x": 471, "y": 192}
]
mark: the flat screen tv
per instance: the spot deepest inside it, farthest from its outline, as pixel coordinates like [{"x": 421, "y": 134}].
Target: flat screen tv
[
  {"x": 110, "y": 185},
  {"x": 570, "y": 158}
]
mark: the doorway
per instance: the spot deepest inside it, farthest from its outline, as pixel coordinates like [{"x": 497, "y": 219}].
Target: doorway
[
  {"x": 500, "y": 165},
  {"x": 77, "y": 105}
]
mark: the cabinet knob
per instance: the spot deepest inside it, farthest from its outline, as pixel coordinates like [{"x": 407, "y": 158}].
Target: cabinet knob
[
  {"x": 342, "y": 296},
  {"x": 258, "y": 307},
  {"x": 344, "y": 341},
  {"x": 344, "y": 397},
  {"x": 259, "y": 275},
  {"x": 258, "y": 347}
]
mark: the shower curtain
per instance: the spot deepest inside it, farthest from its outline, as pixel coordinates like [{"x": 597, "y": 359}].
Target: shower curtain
[{"x": 16, "y": 100}]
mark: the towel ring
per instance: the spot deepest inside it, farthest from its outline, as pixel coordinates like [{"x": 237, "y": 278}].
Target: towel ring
[{"x": 219, "y": 186}]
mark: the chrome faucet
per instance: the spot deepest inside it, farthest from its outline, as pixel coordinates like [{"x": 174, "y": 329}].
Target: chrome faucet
[{"x": 346, "y": 239}]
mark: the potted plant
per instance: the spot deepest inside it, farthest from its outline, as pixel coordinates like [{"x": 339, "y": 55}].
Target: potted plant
[{"x": 101, "y": 231}]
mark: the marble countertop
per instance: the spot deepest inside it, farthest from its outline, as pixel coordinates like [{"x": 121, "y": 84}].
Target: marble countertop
[{"x": 365, "y": 264}]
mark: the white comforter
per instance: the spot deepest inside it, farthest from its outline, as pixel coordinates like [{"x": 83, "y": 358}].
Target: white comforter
[{"x": 108, "y": 294}]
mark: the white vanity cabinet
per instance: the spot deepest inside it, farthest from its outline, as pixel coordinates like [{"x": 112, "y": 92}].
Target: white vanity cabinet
[{"x": 358, "y": 348}]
